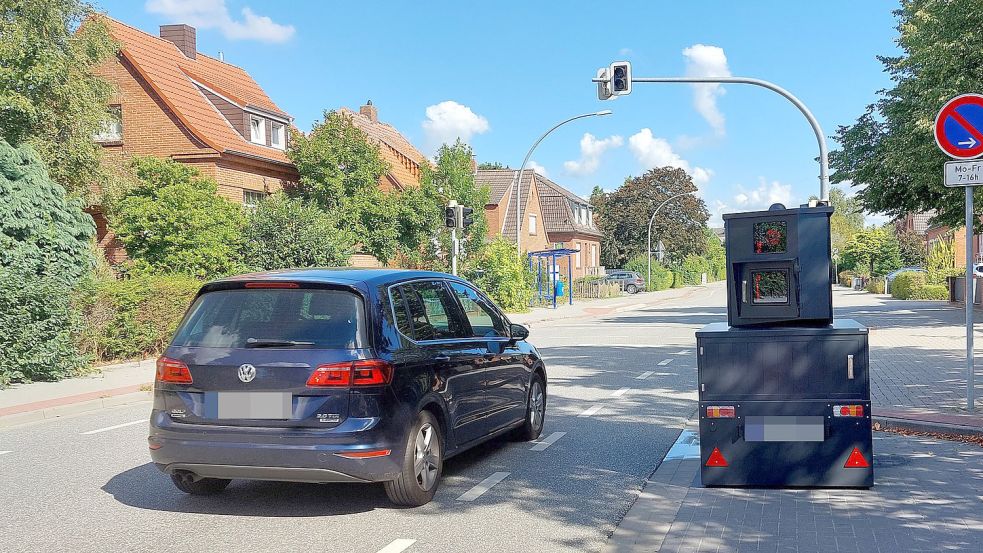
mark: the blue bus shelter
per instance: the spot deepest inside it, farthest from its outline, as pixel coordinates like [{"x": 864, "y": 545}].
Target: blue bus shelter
[{"x": 552, "y": 284}]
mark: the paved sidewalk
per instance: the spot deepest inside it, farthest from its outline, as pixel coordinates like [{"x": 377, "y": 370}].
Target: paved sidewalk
[
  {"x": 926, "y": 497},
  {"x": 594, "y": 308}
]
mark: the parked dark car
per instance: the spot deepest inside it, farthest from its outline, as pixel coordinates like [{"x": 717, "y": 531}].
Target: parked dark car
[
  {"x": 629, "y": 281},
  {"x": 341, "y": 375}
]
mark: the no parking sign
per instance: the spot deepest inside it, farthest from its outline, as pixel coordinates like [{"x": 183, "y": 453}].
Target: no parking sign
[{"x": 959, "y": 127}]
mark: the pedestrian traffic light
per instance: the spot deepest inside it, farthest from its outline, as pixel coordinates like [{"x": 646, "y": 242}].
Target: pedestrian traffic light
[
  {"x": 450, "y": 217},
  {"x": 620, "y": 75},
  {"x": 467, "y": 216}
]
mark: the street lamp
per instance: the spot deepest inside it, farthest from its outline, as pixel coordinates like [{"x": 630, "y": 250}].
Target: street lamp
[
  {"x": 648, "y": 281},
  {"x": 522, "y": 168}
]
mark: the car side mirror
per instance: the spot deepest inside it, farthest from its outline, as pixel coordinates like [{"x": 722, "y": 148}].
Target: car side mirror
[{"x": 518, "y": 332}]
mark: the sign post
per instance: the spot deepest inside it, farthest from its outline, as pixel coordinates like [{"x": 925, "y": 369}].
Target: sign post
[{"x": 959, "y": 133}]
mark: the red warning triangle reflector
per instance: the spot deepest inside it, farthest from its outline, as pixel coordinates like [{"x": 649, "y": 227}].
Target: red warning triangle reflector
[
  {"x": 856, "y": 460},
  {"x": 716, "y": 459}
]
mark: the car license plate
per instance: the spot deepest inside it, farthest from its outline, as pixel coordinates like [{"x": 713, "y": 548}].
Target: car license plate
[{"x": 252, "y": 405}]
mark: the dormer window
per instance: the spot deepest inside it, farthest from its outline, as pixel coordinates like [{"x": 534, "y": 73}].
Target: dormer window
[
  {"x": 278, "y": 135},
  {"x": 257, "y": 130}
]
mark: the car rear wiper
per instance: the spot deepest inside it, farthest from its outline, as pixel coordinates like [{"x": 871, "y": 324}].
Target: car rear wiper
[{"x": 273, "y": 343}]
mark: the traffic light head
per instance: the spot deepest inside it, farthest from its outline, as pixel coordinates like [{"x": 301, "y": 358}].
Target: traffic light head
[
  {"x": 450, "y": 217},
  {"x": 620, "y": 75},
  {"x": 467, "y": 217}
]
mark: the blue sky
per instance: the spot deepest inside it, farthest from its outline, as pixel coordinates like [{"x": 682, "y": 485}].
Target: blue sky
[{"x": 501, "y": 73}]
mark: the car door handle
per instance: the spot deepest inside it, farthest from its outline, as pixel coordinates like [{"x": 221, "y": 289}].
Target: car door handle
[{"x": 442, "y": 358}]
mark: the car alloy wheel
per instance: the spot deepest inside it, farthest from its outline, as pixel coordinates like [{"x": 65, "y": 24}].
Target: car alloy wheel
[
  {"x": 537, "y": 406},
  {"x": 426, "y": 463}
]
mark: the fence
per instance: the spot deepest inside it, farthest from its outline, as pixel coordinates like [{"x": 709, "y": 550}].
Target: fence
[{"x": 596, "y": 289}]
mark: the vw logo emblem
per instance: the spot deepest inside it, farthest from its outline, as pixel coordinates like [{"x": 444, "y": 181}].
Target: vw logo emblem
[{"x": 247, "y": 372}]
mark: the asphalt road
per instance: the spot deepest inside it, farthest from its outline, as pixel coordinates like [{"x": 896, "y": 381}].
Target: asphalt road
[{"x": 621, "y": 387}]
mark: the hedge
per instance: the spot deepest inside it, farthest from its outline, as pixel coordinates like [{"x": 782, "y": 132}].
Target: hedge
[
  {"x": 904, "y": 285},
  {"x": 846, "y": 278},
  {"x": 134, "y": 317},
  {"x": 876, "y": 285},
  {"x": 931, "y": 292},
  {"x": 661, "y": 276}
]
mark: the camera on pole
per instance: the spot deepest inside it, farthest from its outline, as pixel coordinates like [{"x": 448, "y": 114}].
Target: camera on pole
[{"x": 620, "y": 78}]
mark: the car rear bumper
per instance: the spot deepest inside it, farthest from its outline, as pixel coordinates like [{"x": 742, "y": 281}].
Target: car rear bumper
[{"x": 276, "y": 454}]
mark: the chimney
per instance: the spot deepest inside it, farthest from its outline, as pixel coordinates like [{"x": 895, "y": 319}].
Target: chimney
[
  {"x": 183, "y": 36},
  {"x": 370, "y": 111},
  {"x": 474, "y": 165}
]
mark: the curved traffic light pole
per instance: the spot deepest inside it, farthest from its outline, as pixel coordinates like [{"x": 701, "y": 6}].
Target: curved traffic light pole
[{"x": 820, "y": 137}]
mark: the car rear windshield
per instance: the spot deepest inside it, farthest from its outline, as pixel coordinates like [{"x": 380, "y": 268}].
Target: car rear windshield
[{"x": 303, "y": 318}]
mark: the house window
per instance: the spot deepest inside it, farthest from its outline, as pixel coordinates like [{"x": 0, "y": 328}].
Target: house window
[
  {"x": 112, "y": 128},
  {"x": 257, "y": 130},
  {"x": 593, "y": 255},
  {"x": 277, "y": 135},
  {"x": 532, "y": 224},
  {"x": 578, "y": 255},
  {"x": 251, "y": 198}
]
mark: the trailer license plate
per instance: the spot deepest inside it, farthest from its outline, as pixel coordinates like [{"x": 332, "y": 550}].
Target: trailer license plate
[
  {"x": 784, "y": 429},
  {"x": 253, "y": 405}
]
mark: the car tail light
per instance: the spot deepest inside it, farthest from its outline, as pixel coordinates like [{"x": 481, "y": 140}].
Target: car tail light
[
  {"x": 362, "y": 372},
  {"x": 172, "y": 371},
  {"x": 272, "y": 284},
  {"x": 848, "y": 410},
  {"x": 721, "y": 412}
]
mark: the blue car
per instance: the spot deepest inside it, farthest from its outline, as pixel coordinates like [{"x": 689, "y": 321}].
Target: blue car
[{"x": 341, "y": 375}]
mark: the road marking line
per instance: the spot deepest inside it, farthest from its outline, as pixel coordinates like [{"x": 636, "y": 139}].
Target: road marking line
[
  {"x": 592, "y": 411},
  {"x": 682, "y": 352},
  {"x": 644, "y": 375},
  {"x": 619, "y": 393},
  {"x": 5, "y": 452},
  {"x": 665, "y": 362},
  {"x": 396, "y": 546},
  {"x": 550, "y": 440},
  {"x": 108, "y": 428},
  {"x": 483, "y": 486}
]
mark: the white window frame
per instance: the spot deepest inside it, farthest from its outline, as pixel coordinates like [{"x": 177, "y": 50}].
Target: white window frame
[
  {"x": 262, "y": 130},
  {"x": 533, "y": 226},
  {"x": 278, "y": 135},
  {"x": 112, "y": 128},
  {"x": 252, "y": 205},
  {"x": 577, "y": 256}
]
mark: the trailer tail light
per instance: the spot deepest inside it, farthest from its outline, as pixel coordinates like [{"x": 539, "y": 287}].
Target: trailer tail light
[
  {"x": 173, "y": 371},
  {"x": 362, "y": 372},
  {"x": 848, "y": 410},
  {"x": 721, "y": 412},
  {"x": 716, "y": 459}
]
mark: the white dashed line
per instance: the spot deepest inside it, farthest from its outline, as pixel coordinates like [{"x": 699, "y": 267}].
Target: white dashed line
[
  {"x": 619, "y": 393},
  {"x": 5, "y": 452},
  {"x": 108, "y": 428},
  {"x": 592, "y": 411},
  {"x": 550, "y": 440},
  {"x": 682, "y": 352},
  {"x": 644, "y": 375},
  {"x": 665, "y": 362},
  {"x": 396, "y": 546},
  {"x": 483, "y": 486}
]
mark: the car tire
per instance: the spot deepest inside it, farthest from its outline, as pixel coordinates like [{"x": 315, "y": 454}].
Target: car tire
[
  {"x": 535, "y": 419},
  {"x": 423, "y": 464},
  {"x": 631, "y": 289},
  {"x": 185, "y": 482}
]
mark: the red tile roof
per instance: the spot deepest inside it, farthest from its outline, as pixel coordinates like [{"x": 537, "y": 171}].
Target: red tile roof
[
  {"x": 403, "y": 158},
  {"x": 170, "y": 73}
]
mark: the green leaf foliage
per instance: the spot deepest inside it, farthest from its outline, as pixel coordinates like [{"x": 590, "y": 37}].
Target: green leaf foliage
[
  {"x": 941, "y": 262},
  {"x": 171, "y": 220},
  {"x": 890, "y": 149},
  {"x": 872, "y": 252},
  {"x": 623, "y": 217},
  {"x": 49, "y": 96},
  {"x": 284, "y": 232},
  {"x": 912, "y": 248},
  {"x": 42, "y": 232},
  {"x": 905, "y": 285},
  {"x": 503, "y": 275}
]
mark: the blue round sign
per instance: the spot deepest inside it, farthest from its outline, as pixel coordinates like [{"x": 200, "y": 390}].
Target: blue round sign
[{"x": 959, "y": 127}]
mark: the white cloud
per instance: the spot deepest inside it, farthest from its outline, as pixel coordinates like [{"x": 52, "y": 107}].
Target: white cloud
[
  {"x": 214, "y": 14},
  {"x": 707, "y": 61},
  {"x": 652, "y": 151},
  {"x": 591, "y": 150},
  {"x": 625, "y": 52},
  {"x": 538, "y": 168},
  {"x": 449, "y": 120}
]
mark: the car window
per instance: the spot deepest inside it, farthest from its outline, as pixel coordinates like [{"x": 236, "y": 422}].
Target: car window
[
  {"x": 313, "y": 318},
  {"x": 426, "y": 311},
  {"x": 485, "y": 321}
]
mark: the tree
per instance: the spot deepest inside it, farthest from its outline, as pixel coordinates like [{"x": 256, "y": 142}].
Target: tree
[
  {"x": 42, "y": 231},
  {"x": 941, "y": 261},
  {"x": 890, "y": 148},
  {"x": 872, "y": 252},
  {"x": 171, "y": 220},
  {"x": 912, "y": 248},
  {"x": 286, "y": 232},
  {"x": 623, "y": 216},
  {"x": 847, "y": 218},
  {"x": 502, "y": 275},
  {"x": 49, "y": 96},
  {"x": 491, "y": 165}
]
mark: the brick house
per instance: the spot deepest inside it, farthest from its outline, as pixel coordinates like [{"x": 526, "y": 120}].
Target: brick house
[
  {"x": 551, "y": 217},
  {"x": 403, "y": 158},
  {"x": 173, "y": 102}
]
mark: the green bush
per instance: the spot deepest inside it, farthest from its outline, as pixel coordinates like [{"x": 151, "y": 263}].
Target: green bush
[
  {"x": 661, "y": 276},
  {"x": 904, "y": 285},
  {"x": 286, "y": 233},
  {"x": 38, "y": 322},
  {"x": 134, "y": 317},
  {"x": 677, "y": 280},
  {"x": 692, "y": 269},
  {"x": 846, "y": 278},
  {"x": 931, "y": 292},
  {"x": 876, "y": 285},
  {"x": 502, "y": 275}
]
